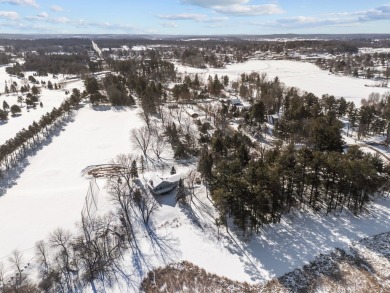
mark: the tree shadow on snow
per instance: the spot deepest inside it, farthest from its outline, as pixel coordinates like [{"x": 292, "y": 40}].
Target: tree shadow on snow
[
  {"x": 10, "y": 177},
  {"x": 101, "y": 108}
]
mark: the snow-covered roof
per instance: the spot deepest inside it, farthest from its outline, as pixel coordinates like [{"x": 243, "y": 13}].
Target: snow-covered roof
[
  {"x": 191, "y": 112},
  {"x": 235, "y": 101},
  {"x": 157, "y": 180}
]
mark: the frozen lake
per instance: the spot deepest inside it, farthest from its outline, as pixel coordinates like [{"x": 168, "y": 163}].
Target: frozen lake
[{"x": 305, "y": 76}]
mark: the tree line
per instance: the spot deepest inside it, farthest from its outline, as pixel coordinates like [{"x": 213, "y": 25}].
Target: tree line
[
  {"x": 52, "y": 63},
  {"x": 16, "y": 149}
]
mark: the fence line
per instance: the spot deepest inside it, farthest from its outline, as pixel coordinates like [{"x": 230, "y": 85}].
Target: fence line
[{"x": 91, "y": 200}]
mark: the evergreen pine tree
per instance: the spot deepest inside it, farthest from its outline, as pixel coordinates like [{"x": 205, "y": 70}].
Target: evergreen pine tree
[
  {"x": 142, "y": 160},
  {"x": 5, "y": 106},
  {"x": 133, "y": 170}
]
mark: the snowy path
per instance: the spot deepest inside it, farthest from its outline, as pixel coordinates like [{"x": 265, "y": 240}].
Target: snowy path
[
  {"x": 97, "y": 49},
  {"x": 381, "y": 153}
]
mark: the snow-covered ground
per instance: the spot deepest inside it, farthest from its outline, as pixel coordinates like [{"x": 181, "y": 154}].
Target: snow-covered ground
[
  {"x": 49, "y": 99},
  {"x": 305, "y": 76},
  {"x": 373, "y": 50},
  {"x": 278, "y": 249},
  {"x": 50, "y": 192}
]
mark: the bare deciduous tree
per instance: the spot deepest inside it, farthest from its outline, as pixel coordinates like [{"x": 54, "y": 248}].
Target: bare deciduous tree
[
  {"x": 98, "y": 249},
  {"x": 61, "y": 241},
  {"x": 178, "y": 114},
  {"x": 146, "y": 204},
  {"x": 141, "y": 138},
  {"x": 190, "y": 182},
  {"x": 164, "y": 116},
  {"x": 159, "y": 145},
  {"x": 16, "y": 260},
  {"x": 2, "y": 272},
  {"x": 124, "y": 171},
  {"x": 42, "y": 254},
  {"x": 120, "y": 197},
  {"x": 146, "y": 118}
]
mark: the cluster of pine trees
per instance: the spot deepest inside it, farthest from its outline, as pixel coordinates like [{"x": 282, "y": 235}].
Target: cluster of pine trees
[
  {"x": 4, "y": 58},
  {"x": 255, "y": 186},
  {"x": 115, "y": 88},
  {"x": 145, "y": 78},
  {"x": 152, "y": 68}
]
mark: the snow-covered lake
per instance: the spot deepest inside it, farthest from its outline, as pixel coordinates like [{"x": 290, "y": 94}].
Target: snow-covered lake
[{"x": 305, "y": 76}]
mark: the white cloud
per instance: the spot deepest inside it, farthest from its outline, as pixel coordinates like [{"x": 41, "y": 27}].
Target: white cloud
[
  {"x": 56, "y": 8},
  {"x": 31, "y": 3},
  {"x": 301, "y": 21},
  {"x": 192, "y": 16},
  {"x": 236, "y": 7},
  {"x": 249, "y": 10},
  {"x": 333, "y": 19},
  {"x": 43, "y": 14},
  {"x": 9, "y": 15},
  {"x": 169, "y": 24},
  {"x": 183, "y": 16},
  {"x": 61, "y": 20},
  {"x": 39, "y": 23},
  {"x": 215, "y": 19},
  {"x": 212, "y": 3},
  {"x": 81, "y": 23},
  {"x": 380, "y": 13}
]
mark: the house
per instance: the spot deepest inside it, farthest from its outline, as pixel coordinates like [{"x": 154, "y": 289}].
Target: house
[
  {"x": 272, "y": 119},
  {"x": 173, "y": 106},
  {"x": 192, "y": 113},
  {"x": 160, "y": 186},
  {"x": 236, "y": 102}
]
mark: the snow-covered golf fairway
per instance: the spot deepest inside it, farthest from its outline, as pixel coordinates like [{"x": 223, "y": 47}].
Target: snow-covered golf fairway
[{"x": 51, "y": 190}]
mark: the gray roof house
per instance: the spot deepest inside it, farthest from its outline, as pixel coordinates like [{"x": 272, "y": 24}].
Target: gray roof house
[{"x": 159, "y": 186}]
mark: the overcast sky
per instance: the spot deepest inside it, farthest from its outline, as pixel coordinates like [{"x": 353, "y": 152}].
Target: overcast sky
[{"x": 201, "y": 17}]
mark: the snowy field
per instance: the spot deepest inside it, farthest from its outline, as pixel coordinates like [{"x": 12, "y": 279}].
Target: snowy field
[
  {"x": 51, "y": 190},
  {"x": 278, "y": 249},
  {"x": 304, "y": 76},
  {"x": 49, "y": 99}
]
